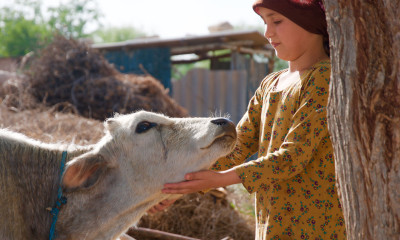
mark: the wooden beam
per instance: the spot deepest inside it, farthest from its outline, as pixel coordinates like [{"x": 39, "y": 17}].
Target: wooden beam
[
  {"x": 266, "y": 52},
  {"x": 139, "y": 233},
  {"x": 209, "y": 47},
  {"x": 200, "y": 58}
]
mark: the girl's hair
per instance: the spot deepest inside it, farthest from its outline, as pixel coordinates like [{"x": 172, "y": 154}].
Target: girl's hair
[{"x": 326, "y": 46}]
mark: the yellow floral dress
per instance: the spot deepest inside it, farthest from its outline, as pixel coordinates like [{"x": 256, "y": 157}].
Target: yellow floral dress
[{"x": 294, "y": 175}]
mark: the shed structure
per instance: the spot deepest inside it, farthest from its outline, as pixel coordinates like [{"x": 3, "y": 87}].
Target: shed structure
[{"x": 236, "y": 73}]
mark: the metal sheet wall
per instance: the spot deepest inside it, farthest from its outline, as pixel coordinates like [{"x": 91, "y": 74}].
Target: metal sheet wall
[{"x": 207, "y": 93}]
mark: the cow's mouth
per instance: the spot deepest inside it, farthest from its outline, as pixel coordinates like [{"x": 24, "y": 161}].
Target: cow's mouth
[{"x": 225, "y": 137}]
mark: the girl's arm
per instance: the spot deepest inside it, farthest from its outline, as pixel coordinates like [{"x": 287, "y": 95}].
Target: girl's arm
[{"x": 198, "y": 181}]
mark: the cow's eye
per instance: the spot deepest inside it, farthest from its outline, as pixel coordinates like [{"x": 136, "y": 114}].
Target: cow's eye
[{"x": 144, "y": 126}]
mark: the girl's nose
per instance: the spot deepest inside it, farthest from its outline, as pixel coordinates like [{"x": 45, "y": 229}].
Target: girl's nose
[
  {"x": 268, "y": 32},
  {"x": 266, "y": 35}
]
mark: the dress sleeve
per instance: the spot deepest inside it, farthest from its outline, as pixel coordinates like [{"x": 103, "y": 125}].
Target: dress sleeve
[
  {"x": 308, "y": 128},
  {"x": 247, "y": 135}
]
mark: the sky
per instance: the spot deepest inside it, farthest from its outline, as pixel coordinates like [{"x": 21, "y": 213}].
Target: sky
[{"x": 174, "y": 18}]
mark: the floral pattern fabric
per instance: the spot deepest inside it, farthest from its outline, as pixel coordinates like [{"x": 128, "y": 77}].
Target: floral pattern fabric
[{"x": 294, "y": 175}]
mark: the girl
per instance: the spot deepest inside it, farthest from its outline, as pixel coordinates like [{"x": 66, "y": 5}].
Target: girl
[{"x": 294, "y": 175}]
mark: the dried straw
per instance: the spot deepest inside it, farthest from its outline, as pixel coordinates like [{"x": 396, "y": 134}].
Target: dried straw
[
  {"x": 73, "y": 72},
  {"x": 48, "y": 125},
  {"x": 203, "y": 217}
]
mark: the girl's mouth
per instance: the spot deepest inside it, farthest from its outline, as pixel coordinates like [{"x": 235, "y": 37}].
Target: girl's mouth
[{"x": 275, "y": 44}]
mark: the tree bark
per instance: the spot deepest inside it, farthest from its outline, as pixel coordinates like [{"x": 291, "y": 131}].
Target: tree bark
[{"x": 364, "y": 113}]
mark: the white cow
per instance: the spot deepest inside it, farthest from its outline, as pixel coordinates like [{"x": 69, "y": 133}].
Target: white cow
[{"x": 109, "y": 185}]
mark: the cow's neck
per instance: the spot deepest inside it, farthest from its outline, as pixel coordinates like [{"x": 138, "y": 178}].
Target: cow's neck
[
  {"x": 112, "y": 221},
  {"x": 128, "y": 219},
  {"x": 40, "y": 178}
]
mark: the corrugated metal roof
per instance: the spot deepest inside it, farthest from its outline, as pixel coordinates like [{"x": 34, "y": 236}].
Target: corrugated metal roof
[{"x": 190, "y": 44}]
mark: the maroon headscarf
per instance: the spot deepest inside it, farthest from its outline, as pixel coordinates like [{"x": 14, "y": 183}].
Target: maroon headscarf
[{"x": 308, "y": 14}]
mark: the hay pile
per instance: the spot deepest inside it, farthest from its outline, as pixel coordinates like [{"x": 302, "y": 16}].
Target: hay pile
[
  {"x": 73, "y": 72},
  {"x": 199, "y": 216}
]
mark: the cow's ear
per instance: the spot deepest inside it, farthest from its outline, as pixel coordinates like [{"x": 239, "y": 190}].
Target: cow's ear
[{"x": 84, "y": 172}]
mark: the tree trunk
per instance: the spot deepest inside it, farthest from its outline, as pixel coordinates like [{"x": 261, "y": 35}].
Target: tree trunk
[{"x": 364, "y": 114}]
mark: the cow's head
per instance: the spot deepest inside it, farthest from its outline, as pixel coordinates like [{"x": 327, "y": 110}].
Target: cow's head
[{"x": 123, "y": 175}]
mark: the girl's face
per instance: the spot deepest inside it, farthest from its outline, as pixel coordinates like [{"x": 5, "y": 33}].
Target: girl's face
[{"x": 289, "y": 40}]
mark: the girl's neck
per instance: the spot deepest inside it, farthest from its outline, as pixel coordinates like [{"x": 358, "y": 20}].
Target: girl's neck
[{"x": 307, "y": 60}]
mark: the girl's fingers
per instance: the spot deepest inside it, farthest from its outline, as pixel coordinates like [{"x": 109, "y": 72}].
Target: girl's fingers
[
  {"x": 195, "y": 181},
  {"x": 198, "y": 175},
  {"x": 161, "y": 206},
  {"x": 177, "y": 191},
  {"x": 179, "y": 185},
  {"x": 168, "y": 202},
  {"x": 185, "y": 187}
]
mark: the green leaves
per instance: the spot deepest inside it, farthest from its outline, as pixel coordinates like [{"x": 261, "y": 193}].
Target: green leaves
[
  {"x": 21, "y": 36},
  {"x": 23, "y": 27},
  {"x": 71, "y": 19}
]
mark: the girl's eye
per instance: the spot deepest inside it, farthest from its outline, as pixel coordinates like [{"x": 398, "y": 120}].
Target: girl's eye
[
  {"x": 144, "y": 126},
  {"x": 277, "y": 22}
]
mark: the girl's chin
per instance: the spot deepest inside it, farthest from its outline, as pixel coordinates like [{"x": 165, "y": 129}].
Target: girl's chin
[{"x": 282, "y": 56}]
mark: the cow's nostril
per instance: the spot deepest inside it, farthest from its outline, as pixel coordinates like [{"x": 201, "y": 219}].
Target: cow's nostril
[{"x": 220, "y": 121}]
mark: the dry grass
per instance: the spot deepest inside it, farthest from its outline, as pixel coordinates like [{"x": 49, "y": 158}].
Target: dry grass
[
  {"x": 48, "y": 125},
  {"x": 202, "y": 216}
]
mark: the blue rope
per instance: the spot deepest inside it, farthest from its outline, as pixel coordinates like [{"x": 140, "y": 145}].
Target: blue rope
[{"x": 60, "y": 199}]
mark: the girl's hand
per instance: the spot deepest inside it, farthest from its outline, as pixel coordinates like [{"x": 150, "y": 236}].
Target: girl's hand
[
  {"x": 125, "y": 237},
  {"x": 198, "y": 181},
  {"x": 161, "y": 205}
]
